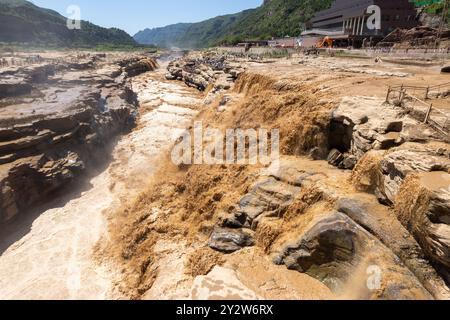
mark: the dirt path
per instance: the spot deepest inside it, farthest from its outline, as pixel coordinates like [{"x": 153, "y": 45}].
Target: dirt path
[{"x": 54, "y": 258}]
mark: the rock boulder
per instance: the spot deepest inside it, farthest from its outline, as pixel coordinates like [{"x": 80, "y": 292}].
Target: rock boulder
[{"x": 341, "y": 254}]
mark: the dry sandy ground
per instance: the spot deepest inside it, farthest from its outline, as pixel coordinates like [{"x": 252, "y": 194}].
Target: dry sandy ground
[
  {"x": 349, "y": 77},
  {"x": 53, "y": 259}
]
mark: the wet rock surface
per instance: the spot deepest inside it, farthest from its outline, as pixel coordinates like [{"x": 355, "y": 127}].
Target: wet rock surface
[
  {"x": 332, "y": 250},
  {"x": 55, "y": 124},
  {"x": 328, "y": 243},
  {"x": 307, "y": 215},
  {"x": 403, "y": 162},
  {"x": 269, "y": 197},
  {"x": 384, "y": 225},
  {"x": 414, "y": 180},
  {"x": 423, "y": 206},
  {"x": 221, "y": 284},
  {"x": 230, "y": 240},
  {"x": 398, "y": 164},
  {"x": 336, "y": 247}
]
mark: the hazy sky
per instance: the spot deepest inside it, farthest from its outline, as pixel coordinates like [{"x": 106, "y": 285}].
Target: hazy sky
[{"x": 135, "y": 15}]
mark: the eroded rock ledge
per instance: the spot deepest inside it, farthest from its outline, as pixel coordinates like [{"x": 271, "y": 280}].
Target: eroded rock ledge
[
  {"x": 205, "y": 72},
  {"x": 403, "y": 162},
  {"x": 380, "y": 215},
  {"x": 305, "y": 221},
  {"x": 56, "y": 121}
]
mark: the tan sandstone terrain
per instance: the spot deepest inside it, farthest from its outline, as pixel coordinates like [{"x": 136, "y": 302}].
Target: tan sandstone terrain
[{"x": 357, "y": 207}]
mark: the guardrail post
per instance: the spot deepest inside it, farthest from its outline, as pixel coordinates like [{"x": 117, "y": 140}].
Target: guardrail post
[
  {"x": 388, "y": 94},
  {"x": 427, "y": 117},
  {"x": 402, "y": 95},
  {"x": 427, "y": 91}
]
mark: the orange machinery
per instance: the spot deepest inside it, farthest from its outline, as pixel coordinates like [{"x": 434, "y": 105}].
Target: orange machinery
[{"x": 326, "y": 42}]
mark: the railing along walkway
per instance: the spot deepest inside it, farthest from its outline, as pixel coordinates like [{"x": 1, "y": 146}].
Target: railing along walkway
[{"x": 420, "y": 109}]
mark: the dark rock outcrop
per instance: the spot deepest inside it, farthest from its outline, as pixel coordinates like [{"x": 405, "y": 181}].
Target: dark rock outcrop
[
  {"x": 335, "y": 158},
  {"x": 267, "y": 198},
  {"x": 230, "y": 240}
]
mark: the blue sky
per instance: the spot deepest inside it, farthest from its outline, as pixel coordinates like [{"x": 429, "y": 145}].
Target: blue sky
[{"x": 135, "y": 15}]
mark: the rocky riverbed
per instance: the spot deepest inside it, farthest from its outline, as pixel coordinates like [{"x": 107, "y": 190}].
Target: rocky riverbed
[
  {"x": 57, "y": 120},
  {"x": 51, "y": 254},
  {"x": 360, "y": 192},
  {"x": 356, "y": 207}
]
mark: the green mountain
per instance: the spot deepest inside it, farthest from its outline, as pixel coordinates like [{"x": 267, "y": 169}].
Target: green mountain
[
  {"x": 274, "y": 18},
  {"x": 435, "y": 7},
  {"x": 23, "y": 22},
  {"x": 190, "y": 35}
]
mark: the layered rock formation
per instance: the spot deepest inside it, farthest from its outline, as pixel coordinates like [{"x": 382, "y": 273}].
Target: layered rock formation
[
  {"x": 405, "y": 163},
  {"x": 335, "y": 248},
  {"x": 205, "y": 71},
  {"x": 355, "y": 130},
  {"x": 391, "y": 148},
  {"x": 376, "y": 232},
  {"x": 340, "y": 233},
  {"x": 415, "y": 180},
  {"x": 56, "y": 119},
  {"x": 308, "y": 221},
  {"x": 423, "y": 206}
]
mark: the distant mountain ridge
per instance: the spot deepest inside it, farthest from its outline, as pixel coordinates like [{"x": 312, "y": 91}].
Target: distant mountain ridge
[
  {"x": 23, "y": 22},
  {"x": 274, "y": 18}
]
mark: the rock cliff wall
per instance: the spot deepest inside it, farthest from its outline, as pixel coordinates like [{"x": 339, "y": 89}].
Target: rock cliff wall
[{"x": 57, "y": 120}]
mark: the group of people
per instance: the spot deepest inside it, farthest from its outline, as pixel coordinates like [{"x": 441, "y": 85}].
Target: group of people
[
  {"x": 4, "y": 62},
  {"x": 33, "y": 59},
  {"x": 20, "y": 62}
]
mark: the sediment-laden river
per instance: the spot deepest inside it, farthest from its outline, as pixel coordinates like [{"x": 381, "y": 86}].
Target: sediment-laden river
[{"x": 52, "y": 257}]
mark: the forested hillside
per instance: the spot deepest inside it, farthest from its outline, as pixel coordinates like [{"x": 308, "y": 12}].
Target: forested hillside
[
  {"x": 23, "y": 22},
  {"x": 275, "y": 18}
]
